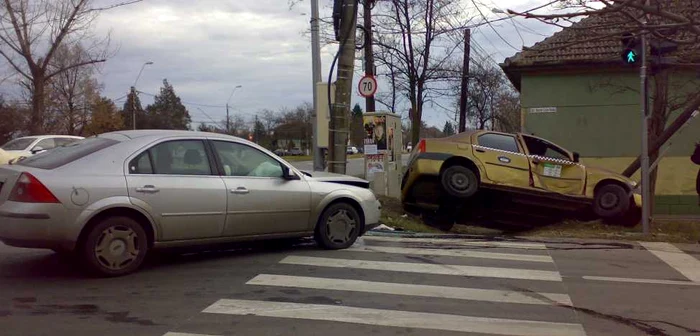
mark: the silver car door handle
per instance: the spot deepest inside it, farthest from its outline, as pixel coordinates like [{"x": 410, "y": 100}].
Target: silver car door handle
[
  {"x": 148, "y": 189},
  {"x": 240, "y": 191}
]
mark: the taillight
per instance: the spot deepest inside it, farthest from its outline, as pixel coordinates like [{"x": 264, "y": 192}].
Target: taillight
[
  {"x": 421, "y": 146},
  {"x": 29, "y": 189}
]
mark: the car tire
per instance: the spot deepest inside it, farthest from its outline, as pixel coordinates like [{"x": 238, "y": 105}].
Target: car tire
[
  {"x": 610, "y": 201},
  {"x": 116, "y": 246},
  {"x": 459, "y": 181},
  {"x": 338, "y": 227}
]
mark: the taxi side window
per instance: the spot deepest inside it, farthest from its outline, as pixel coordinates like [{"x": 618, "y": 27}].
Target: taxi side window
[{"x": 499, "y": 141}]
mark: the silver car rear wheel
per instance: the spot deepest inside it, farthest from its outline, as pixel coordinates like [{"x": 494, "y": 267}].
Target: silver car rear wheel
[
  {"x": 116, "y": 246},
  {"x": 338, "y": 227}
]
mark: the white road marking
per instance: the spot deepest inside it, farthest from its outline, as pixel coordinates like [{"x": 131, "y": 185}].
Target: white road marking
[
  {"x": 452, "y": 253},
  {"x": 642, "y": 281},
  {"x": 674, "y": 257},
  {"x": 474, "y": 294},
  {"x": 183, "y": 334},
  {"x": 394, "y": 318},
  {"x": 474, "y": 271},
  {"x": 464, "y": 242}
]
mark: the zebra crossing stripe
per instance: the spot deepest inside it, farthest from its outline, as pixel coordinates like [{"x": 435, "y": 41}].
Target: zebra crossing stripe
[
  {"x": 443, "y": 292},
  {"x": 459, "y": 242},
  {"x": 394, "y": 318},
  {"x": 452, "y": 253},
  {"x": 461, "y": 270}
]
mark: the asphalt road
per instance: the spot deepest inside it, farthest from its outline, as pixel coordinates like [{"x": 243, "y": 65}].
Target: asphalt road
[
  {"x": 355, "y": 167},
  {"x": 381, "y": 286}
]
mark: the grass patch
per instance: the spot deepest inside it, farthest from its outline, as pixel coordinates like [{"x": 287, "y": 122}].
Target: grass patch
[
  {"x": 394, "y": 216},
  {"x": 670, "y": 231},
  {"x": 677, "y": 231}
]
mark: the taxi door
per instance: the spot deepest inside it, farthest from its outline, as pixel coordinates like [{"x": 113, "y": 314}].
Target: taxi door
[{"x": 554, "y": 168}]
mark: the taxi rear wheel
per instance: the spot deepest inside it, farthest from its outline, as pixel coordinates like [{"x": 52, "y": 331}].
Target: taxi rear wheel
[
  {"x": 611, "y": 200},
  {"x": 459, "y": 181}
]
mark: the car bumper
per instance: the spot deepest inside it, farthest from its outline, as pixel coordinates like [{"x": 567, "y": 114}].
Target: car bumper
[
  {"x": 637, "y": 199},
  {"x": 373, "y": 211},
  {"x": 31, "y": 225}
]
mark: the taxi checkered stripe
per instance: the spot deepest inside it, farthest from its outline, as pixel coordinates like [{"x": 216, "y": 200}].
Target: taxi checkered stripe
[{"x": 543, "y": 158}]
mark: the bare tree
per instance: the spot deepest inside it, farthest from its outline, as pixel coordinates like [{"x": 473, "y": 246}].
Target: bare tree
[
  {"x": 73, "y": 91},
  {"x": 32, "y": 31},
  {"x": 416, "y": 40}
]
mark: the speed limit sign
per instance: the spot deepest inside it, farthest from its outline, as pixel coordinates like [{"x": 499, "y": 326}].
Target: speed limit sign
[{"x": 367, "y": 86}]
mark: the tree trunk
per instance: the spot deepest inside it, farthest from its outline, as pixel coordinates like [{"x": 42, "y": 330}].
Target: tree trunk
[{"x": 36, "y": 120}]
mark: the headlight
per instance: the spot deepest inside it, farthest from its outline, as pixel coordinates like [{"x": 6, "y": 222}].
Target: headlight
[{"x": 633, "y": 184}]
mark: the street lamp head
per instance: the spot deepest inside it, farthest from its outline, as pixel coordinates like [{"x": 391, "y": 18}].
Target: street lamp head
[
  {"x": 238, "y": 86},
  {"x": 149, "y": 63},
  {"x": 497, "y": 11}
]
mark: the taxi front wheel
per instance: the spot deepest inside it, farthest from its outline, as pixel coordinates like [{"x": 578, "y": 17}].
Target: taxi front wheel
[
  {"x": 611, "y": 200},
  {"x": 459, "y": 181}
]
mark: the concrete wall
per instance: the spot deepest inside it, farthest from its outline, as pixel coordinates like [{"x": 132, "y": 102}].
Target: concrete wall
[{"x": 597, "y": 115}]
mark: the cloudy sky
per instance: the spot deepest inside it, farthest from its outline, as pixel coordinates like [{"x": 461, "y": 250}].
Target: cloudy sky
[{"x": 207, "y": 47}]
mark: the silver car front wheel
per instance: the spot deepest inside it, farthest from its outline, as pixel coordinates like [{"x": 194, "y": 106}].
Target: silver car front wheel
[{"x": 338, "y": 227}]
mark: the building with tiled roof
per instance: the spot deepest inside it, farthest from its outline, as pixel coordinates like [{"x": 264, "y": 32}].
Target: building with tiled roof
[{"x": 576, "y": 91}]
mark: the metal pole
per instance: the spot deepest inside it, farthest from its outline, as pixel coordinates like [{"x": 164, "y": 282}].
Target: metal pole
[
  {"x": 464, "y": 92},
  {"x": 369, "y": 56},
  {"x": 316, "y": 78},
  {"x": 646, "y": 197},
  {"x": 133, "y": 106},
  {"x": 228, "y": 122}
]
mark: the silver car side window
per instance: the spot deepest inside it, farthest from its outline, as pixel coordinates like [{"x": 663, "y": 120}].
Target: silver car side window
[
  {"x": 241, "y": 160},
  {"x": 141, "y": 164},
  {"x": 180, "y": 157}
]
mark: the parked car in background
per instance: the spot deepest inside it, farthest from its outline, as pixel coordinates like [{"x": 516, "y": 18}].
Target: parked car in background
[
  {"x": 280, "y": 152},
  {"x": 6, "y": 157},
  {"x": 295, "y": 152},
  {"x": 113, "y": 197},
  {"x": 352, "y": 150},
  {"x": 30, "y": 145},
  {"x": 524, "y": 169}
]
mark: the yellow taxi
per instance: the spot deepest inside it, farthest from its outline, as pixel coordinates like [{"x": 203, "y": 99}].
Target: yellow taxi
[{"x": 452, "y": 170}]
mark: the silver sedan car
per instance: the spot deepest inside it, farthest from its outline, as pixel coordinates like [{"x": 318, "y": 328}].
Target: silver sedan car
[{"x": 112, "y": 197}]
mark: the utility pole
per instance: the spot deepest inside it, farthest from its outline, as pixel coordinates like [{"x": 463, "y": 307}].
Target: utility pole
[
  {"x": 133, "y": 106},
  {"x": 464, "y": 91},
  {"x": 316, "y": 78},
  {"x": 369, "y": 55},
  {"x": 339, "y": 121},
  {"x": 646, "y": 197},
  {"x": 228, "y": 123}
]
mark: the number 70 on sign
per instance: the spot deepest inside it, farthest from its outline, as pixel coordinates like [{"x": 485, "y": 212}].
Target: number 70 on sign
[{"x": 367, "y": 86}]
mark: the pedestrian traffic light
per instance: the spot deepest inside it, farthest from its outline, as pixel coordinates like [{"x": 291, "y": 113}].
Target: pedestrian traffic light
[{"x": 631, "y": 49}]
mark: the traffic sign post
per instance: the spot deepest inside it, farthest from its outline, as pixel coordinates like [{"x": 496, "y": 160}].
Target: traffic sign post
[{"x": 367, "y": 86}]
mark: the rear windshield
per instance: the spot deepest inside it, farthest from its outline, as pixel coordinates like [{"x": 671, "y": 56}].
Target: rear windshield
[
  {"x": 18, "y": 144},
  {"x": 60, "y": 156}
]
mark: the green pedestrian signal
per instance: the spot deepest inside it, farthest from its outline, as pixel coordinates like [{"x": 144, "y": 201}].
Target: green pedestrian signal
[
  {"x": 631, "y": 57},
  {"x": 631, "y": 49}
]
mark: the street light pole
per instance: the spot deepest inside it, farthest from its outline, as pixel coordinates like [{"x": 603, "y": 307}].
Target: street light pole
[
  {"x": 228, "y": 122},
  {"x": 133, "y": 92},
  {"x": 316, "y": 78}
]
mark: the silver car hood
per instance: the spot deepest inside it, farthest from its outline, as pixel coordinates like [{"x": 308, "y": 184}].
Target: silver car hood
[{"x": 336, "y": 178}]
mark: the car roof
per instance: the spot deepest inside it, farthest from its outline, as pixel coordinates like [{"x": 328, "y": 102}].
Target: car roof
[
  {"x": 50, "y": 136},
  {"x": 135, "y": 134}
]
